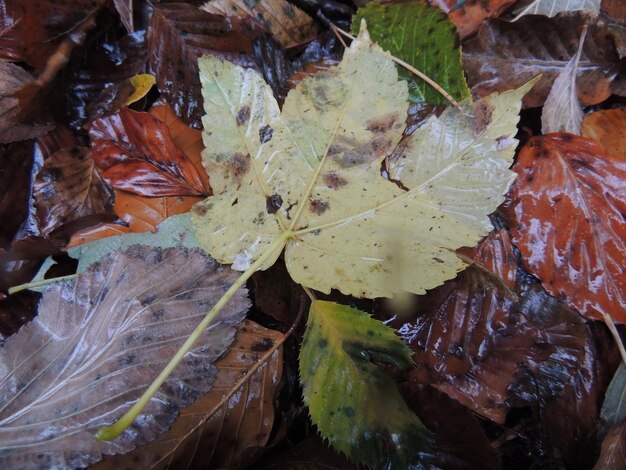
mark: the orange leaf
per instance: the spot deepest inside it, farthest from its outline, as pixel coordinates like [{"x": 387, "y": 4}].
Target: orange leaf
[
  {"x": 570, "y": 222},
  {"x": 143, "y": 214},
  {"x": 96, "y": 232},
  {"x": 608, "y": 127},
  {"x": 137, "y": 153}
]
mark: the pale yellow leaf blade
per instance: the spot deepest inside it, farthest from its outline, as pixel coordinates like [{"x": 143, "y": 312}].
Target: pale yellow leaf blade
[
  {"x": 234, "y": 225},
  {"x": 552, "y": 8},
  {"x": 456, "y": 170}
]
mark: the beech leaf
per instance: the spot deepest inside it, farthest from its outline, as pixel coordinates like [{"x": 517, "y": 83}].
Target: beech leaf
[
  {"x": 608, "y": 128},
  {"x": 353, "y": 403},
  {"x": 99, "y": 340},
  {"x": 568, "y": 203},
  {"x": 309, "y": 178},
  {"x": 290, "y": 25},
  {"x": 614, "y": 406}
]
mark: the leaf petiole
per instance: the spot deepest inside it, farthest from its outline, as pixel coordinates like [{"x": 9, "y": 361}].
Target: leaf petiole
[
  {"x": 42, "y": 283},
  {"x": 108, "y": 433}
]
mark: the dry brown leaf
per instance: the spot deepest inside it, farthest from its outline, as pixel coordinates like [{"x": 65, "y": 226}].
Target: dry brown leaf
[
  {"x": 608, "y": 128},
  {"x": 209, "y": 434}
]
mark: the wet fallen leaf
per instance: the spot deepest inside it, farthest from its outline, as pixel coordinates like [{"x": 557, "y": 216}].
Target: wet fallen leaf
[
  {"x": 222, "y": 428},
  {"x": 569, "y": 200},
  {"x": 477, "y": 339},
  {"x": 100, "y": 338},
  {"x": 436, "y": 54},
  {"x": 12, "y": 79},
  {"x": 562, "y": 111},
  {"x": 290, "y": 25},
  {"x": 142, "y": 83},
  {"x": 552, "y": 8},
  {"x": 68, "y": 188},
  {"x": 136, "y": 153},
  {"x": 178, "y": 35},
  {"x": 353, "y": 403},
  {"x": 608, "y": 128},
  {"x": 96, "y": 232},
  {"x": 540, "y": 45},
  {"x": 469, "y": 15},
  {"x": 614, "y": 406},
  {"x": 613, "y": 452}
]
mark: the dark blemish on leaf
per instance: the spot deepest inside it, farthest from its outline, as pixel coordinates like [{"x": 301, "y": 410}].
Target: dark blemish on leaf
[
  {"x": 348, "y": 411},
  {"x": 273, "y": 203},
  {"x": 51, "y": 175},
  {"x": 259, "y": 219},
  {"x": 530, "y": 177},
  {"x": 126, "y": 359},
  {"x": 381, "y": 125},
  {"x": 235, "y": 202},
  {"x": 333, "y": 180},
  {"x": 158, "y": 314},
  {"x": 263, "y": 345},
  {"x": 318, "y": 206},
  {"x": 148, "y": 299},
  {"x": 380, "y": 143},
  {"x": 566, "y": 137},
  {"x": 243, "y": 115},
  {"x": 265, "y": 134},
  {"x": 438, "y": 260},
  {"x": 578, "y": 163},
  {"x": 200, "y": 209},
  {"x": 482, "y": 116},
  {"x": 238, "y": 166},
  {"x": 291, "y": 206},
  {"x": 322, "y": 343}
]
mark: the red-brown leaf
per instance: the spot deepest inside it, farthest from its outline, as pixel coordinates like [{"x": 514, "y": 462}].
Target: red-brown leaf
[
  {"x": 136, "y": 153},
  {"x": 469, "y": 15},
  {"x": 68, "y": 188},
  {"x": 570, "y": 209},
  {"x": 477, "y": 340}
]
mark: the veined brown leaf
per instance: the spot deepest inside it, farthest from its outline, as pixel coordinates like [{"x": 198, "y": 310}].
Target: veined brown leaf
[
  {"x": 469, "y": 15},
  {"x": 608, "y": 128},
  {"x": 552, "y": 8},
  {"x": 99, "y": 340},
  {"x": 210, "y": 435},
  {"x": 569, "y": 202}
]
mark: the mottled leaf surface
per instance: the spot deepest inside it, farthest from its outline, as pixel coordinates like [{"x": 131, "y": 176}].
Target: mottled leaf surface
[
  {"x": 290, "y": 25},
  {"x": 469, "y": 15},
  {"x": 100, "y": 340},
  {"x": 353, "y": 403},
  {"x": 222, "y": 428},
  {"x": 422, "y": 36},
  {"x": 540, "y": 45},
  {"x": 136, "y": 153},
  {"x": 569, "y": 200},
  {"x": 315, "y": 169},
  {"x": 608, "y": 128},
  {"x": 68, "y": 187},
  {"x": 478, "y": 339},
  {"x": 552, "y": 8}
]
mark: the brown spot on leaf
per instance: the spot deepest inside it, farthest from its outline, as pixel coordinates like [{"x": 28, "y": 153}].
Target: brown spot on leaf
[
  {"x": 482, "y": 116},
  {"x": 382, "y": 124},
  {"x": 243, "y": 115},
  {"x": 263, "y": 345},
  {"x": 273, "y": 203},
  {"x": 333, "y": 180},
  {"x": 238, "y": 166},
  {"x": 265, "y": 134},
  {"x": 318, "y": 206}
]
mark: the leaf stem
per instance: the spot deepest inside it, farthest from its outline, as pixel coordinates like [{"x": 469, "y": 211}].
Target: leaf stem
[
  {"x": 411, "y": 69},
  {"x": 616, "y": 336},
  {"x": 42, "y": 283},
  {"x": 107, "y": 433}
]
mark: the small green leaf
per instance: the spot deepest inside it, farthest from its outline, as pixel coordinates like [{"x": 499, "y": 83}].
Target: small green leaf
[
  {"x": 354, "y": 404},
  {"x": 424, "y": 37},
  {"x": 614, "y": 407}
]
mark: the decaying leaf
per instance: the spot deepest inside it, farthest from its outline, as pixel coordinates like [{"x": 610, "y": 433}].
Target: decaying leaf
[
  {"x": 479, "y": 340},
  {"x": 68, "y": 187},
  {"x": 13, "y": 78},
  {"x": 552, "y": 8},
  {"x": 97, "y": 341},
  {"x": 469, "y": 15},
  {"x": 353, "y": 403},
  {"x": 315, "y": 170},
  {"x": 562, "y": 111},
  {"x": 142, "y": 83},
  {"x": 178, "y": 35},
  {"x": 613, "y": 453},
  {"x": 540, "y": 45},
  {"x": 96, "y": 232},
  {"x": 422, "y": 36},
  {"x": 212, "y": 436},
  {"x": 137, "y": 154},
  {"x": 608, "y": 128},
  {"x": 569, "y": 202},
  {"x": 290, "y": 25}
]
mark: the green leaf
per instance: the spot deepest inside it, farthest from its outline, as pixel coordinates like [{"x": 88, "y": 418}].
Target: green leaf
[
  {"x": 424, "y": 37},
  {"x": 614, "y": 407},
  {"x": 354, "y": 404},
  {"x": 311, "y": 175}
]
